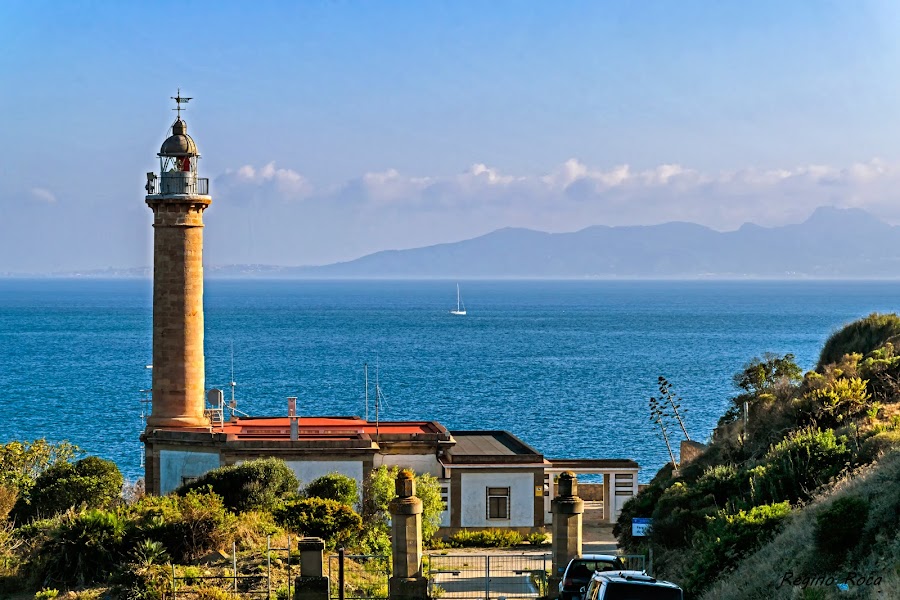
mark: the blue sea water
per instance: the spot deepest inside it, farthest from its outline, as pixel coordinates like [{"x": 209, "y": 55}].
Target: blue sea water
[{"x": 566, "y": 366}]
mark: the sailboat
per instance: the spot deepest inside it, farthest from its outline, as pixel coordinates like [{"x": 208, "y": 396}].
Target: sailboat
[{"x": 460, "y": 307}]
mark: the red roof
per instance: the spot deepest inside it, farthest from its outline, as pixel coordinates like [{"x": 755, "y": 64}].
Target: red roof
[{"x": 324, "y": 427}]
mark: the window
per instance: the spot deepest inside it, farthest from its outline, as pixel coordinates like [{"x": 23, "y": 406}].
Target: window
[{"x": 498, "y": 503}]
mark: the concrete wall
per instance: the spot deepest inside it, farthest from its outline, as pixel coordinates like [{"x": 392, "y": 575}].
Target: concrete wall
[
  {"x": 175, "y": 465},
  {"x": 473, "y": 505},
  {"x": 590, "y": 491},
  {"x": 419, "y": 463}
]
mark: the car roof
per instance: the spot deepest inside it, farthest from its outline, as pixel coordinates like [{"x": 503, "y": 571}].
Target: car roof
[
  {"x": 610, "y": 557},
  {"x": 638, "y": 577}
]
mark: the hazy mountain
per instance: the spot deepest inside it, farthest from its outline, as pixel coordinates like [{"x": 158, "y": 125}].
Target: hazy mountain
[{"x": 831, "y": 243}]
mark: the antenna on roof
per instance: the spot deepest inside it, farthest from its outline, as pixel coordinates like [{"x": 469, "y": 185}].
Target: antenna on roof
[
  {"x": 379, "y": 400},
  {"x": 366, "y": 371},
  {"x": 233, "y": 403}
]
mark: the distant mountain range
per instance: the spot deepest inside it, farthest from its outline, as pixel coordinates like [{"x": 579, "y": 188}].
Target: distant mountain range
[{"x": 832, "y": 243}]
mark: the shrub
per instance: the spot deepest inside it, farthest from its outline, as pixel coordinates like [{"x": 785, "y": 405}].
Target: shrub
[
  {"x": 793, "y": 468},
  {"x": 22, "y": 462},
  {"x": 486, "y": 538},
  {"x": 336, "y": 523},
  {"x": 538, "y": 538},
  {"x": 254, "y": 485},
  {"x": 862, "y": 336},
  {"x": 727, "y": 539},
  {"x": 83, "y": 550},
  {"x": 878, "y": 445},
  {"x": 189, "y": 526},
  {"x": 8, "y": 496},
  {"x": 46, "y": 594},
  {"x": 334, "y": 486},
  {"x": 92, "y": 482},
  {"x": 839, "y": 527}
]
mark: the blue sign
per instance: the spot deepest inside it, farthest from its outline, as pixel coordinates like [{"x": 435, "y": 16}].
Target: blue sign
[{"x": 640, "y": 526}]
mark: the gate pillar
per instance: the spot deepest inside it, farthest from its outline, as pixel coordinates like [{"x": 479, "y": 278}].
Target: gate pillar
[
  {"x": 407, "y": 581},
  {"x": 567, "y": 509},
  {"x": 312, "y": 583}
]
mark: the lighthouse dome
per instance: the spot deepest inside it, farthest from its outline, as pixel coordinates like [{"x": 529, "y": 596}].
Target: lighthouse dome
[{"x": 179, "y": 143}]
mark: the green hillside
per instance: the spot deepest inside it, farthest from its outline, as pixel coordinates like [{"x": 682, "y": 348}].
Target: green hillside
[{"x": 771, "y": 493}]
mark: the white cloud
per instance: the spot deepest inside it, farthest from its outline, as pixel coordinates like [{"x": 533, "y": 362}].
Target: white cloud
[
  {"x": 391, "y": 209},
  {"x": 43, "y": 195}
]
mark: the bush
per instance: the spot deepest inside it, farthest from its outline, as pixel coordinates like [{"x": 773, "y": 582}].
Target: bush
[
  {"x": 727, "y": 539},
  {"x": 334, "y": 486},
  {"x": 878, "y": 445},
  {"x": 839, "y": 527},
  {"x": 189, "y": 526},
  {"x": 380, "y": 491},
  {"x": 793, "y": 468},
  {"x": 336, "y": 523},
  {"x": 486, "y": 538},
  {"x": 254, "y": 485},
  {"x": 538, "y": 538},
  {"x": 92, "y": 482},
  {"x": 862, "y": 336},
  {"x": 83, "y": 550}
]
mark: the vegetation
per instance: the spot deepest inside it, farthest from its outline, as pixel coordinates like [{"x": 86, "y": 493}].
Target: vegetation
[
  {"x": 336, "y": 523},
  {"x": 261, "y": 484},
  {"x": 334, "y": 486},
  {"x": 92, "y": 482},
  {"x": 486, "y": 538},
  {"x": 798, "y": 435}
]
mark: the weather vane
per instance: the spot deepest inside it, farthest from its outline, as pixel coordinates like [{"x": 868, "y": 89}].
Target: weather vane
[{"x": 180, "y": 100}]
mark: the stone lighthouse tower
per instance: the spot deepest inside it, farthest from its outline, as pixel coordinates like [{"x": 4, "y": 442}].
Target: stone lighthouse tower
[{"x": 178, "y": 198}]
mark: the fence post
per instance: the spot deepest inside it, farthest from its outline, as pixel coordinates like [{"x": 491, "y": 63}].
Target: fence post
[
  {"x": 269, "y": 567},
  {"x": 234, "y": 565},
  {"x": 407, "y": 581},
  {"x": 174, "y": 591},
  {"x": 312, "y": 583},
  {"x": 341, "y": 573},
  {"x": 567, "y": 509},
  {"x": 487, "y": 578}
]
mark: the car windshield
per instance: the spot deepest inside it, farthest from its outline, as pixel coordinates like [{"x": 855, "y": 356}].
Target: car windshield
[
  {"x": 583, "y": 568},
  {"x": 638, "y": 591}
]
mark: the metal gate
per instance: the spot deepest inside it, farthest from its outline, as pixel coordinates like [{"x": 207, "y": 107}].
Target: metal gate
[
  {"x": 364, "y": 575},
  {"x": 487, "y": 576}
]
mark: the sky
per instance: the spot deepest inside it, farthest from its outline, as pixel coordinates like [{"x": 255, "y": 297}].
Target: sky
[{"x": 330, "y": 130}]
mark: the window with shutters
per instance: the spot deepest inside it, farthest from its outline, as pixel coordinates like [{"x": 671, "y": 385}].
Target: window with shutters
[{"x": 497, "y": 503}]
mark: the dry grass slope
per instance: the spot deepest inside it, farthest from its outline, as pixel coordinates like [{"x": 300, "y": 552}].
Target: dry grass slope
[{"x": 794, "y": 549}]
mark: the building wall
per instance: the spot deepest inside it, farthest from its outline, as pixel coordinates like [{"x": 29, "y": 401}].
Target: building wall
[
  {"x": 473, "y": 499},
  {"x": 308, "y": 470},
  {"x": 177, "y": 465},
  {"x": 420, "y": 463}
]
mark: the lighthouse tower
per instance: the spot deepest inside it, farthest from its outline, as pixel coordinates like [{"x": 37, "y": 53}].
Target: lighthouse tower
[{"x": 178, "y": 198}]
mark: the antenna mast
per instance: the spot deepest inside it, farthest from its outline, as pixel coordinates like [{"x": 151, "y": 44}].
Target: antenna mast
[{"x": 366, "y": 371}]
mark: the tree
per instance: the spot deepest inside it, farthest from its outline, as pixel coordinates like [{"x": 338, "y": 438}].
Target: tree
[
  {"x": 92, "y": 481},
  {"x": 380, "y": 490},
  {"x": 334, "y": 486},
  {"x": 22, "y": 462},
  {"x": 336, "y": 523},
  {"x": 254, "y": 485},
  {"x": 762, "y": 374},
  {"x": 667, "y": 396}
]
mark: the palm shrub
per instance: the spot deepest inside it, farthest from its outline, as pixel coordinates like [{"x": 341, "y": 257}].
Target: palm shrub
[
  {"x": 254, "y": 485},
  {"x": 92, "y": 482},
  {"x": 336, "y": 523},
  {"x": 83, "y": 550},
  {"x": 334, "y": 486}
]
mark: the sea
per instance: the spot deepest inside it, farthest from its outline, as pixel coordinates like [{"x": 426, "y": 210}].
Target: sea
[{"x": 567, "y": 366}]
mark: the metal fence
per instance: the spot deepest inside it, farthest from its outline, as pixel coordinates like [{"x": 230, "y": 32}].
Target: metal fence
[
  {"x": 364, "y": 576},
  {"x": 487, "y": 576},
  {"x": 194, "y": 581}
]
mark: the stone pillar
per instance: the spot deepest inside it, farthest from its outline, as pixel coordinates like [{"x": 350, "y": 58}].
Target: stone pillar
[
  {"x": 178, "y": 361},
  {"x": 567, "y": 509},
  {"x": 312, "y": 583},
  {"x": 407, "y": 581}
]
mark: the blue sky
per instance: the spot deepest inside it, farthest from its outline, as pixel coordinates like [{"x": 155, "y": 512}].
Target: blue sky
[{"x": 332, "y": 129}]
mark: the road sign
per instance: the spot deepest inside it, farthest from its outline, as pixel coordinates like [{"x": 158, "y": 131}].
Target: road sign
[{"x": 640, "y": 527}]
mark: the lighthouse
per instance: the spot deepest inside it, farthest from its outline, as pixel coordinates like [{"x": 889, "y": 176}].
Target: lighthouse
[{"x": 178, "y": 197}]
